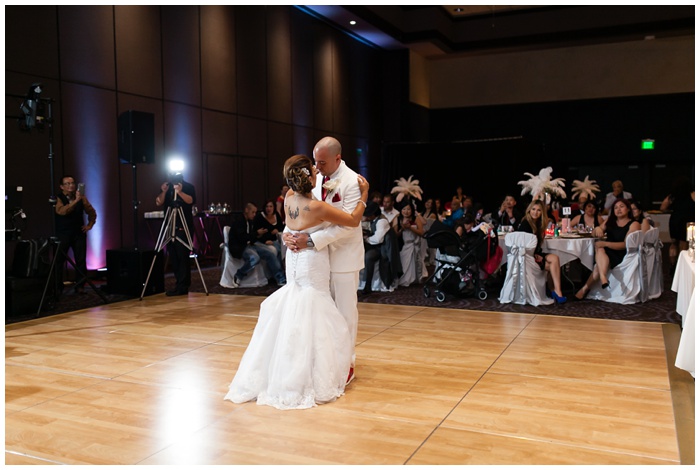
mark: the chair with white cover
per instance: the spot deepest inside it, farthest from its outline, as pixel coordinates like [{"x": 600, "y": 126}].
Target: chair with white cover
[
  {"x": 525, "y": 282},
  {"x": 654, "y": 281},
  {"x": 258, "y": 277},
  {"x": 626, "y": 278}
]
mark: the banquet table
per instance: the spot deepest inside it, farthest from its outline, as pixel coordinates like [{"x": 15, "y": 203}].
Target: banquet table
[
  {"x": 567, "y": 248},
  {"x": 684, "y": 285}
]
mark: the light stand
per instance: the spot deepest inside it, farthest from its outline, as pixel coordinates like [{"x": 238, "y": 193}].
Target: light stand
[
  {"x": 168, "y": 234},
  {"x": 29, "y": 107},
  {"x": 135, "y": 204}
]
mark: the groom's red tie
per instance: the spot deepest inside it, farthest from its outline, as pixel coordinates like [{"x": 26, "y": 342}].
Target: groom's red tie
[{"x": 324, "y": 191}]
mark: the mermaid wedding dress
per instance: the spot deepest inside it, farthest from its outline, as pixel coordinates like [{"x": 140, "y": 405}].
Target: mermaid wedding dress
[{"x": 300, "y": 351}]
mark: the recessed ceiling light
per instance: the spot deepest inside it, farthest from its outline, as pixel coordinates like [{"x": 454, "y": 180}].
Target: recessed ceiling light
[
  {"x": 353, "y": 22},
  {"x": 458, "y": 10}
]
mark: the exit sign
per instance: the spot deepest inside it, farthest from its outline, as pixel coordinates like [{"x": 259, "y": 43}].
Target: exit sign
[{"x": 648, "y": 144}]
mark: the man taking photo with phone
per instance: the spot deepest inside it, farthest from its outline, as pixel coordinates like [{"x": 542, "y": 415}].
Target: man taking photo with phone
[{"x": 71, "y": 229}]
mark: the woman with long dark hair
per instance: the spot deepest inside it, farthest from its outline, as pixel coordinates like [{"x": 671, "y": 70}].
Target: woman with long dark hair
[
  {"x": 590, "y": 218},
  {"x": 611, "y": 251},
  {"x": 410, "y": 229}
]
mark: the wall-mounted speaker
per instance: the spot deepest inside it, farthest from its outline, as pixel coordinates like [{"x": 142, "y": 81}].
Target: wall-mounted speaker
[{"x": 136, "y": 139}]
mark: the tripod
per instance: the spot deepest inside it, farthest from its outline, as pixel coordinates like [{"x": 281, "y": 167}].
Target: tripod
[
  {"x": 168, "y": 233},
  {"x": 57, "y": 249}
]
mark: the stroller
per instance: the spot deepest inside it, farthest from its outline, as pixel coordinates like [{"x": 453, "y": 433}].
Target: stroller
[{"x": 457, "y": 269}]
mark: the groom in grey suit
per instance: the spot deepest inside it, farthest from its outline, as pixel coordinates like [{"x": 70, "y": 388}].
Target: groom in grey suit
[{"x": 337, "y": 185}]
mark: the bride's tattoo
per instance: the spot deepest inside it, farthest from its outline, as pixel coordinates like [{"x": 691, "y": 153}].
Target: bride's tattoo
[{"x": 294, "y": 214}]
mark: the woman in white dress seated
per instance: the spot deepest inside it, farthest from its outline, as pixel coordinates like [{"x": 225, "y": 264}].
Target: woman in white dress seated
[
  {"x": 300, "y": 352},
  {"x": 410, "y": 229}
]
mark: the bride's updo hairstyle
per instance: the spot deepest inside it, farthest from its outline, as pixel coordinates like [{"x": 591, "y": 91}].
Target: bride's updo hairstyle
[{"x": 297, "y": 172}]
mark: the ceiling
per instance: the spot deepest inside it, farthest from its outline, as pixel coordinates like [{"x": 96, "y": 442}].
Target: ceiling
[{"x": 436, "y": 31}]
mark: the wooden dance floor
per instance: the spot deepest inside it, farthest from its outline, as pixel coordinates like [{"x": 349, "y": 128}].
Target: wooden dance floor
[{"x": 142, "y": 382}]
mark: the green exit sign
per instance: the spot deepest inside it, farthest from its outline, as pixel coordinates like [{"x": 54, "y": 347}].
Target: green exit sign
[{"x": 648, "y": 144}]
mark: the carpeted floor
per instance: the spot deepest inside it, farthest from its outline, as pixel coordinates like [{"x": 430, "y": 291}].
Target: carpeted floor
[{"x": 657, "y": 310}]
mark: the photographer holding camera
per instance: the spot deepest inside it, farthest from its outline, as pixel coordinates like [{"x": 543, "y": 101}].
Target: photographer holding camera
[{"x": 178, "y": 193}]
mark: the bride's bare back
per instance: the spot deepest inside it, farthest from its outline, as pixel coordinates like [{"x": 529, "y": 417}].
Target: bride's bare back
[{"x": 302, "y": 212}]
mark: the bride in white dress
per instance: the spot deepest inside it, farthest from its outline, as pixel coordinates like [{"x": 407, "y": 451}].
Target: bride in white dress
[{"x": 300, "y": 352}]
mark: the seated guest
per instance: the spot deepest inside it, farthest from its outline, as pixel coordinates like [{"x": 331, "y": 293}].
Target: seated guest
[
  {"x": 428, "y": 216},
  {"x": 279, "y": 203},
  {"x": 410, "y": 229},
  {"x": 242, "y": 244},
  {"x": 455, "y": 214},
  {"x": 535, "y": 222},
  {"x": 374, "y": 238},
  {"x": 464, "y": 227},
  {"x": 681, "y": 203},
  {"x": 388, "y": 209},
  {"x": 610, "y": 252},
  {"x": 638, "y": 216},
  {"x": 617, "y": 193},
  {"x": 467, "y": 204},
  {"x": 590, "y": 217},
  {"x": 508, "y": 214},
  {"x": 376, "y": 197},
  {"x": 478, "y": 211},
  {"x": 459, "y": 195},
  {"x": 268, "y": 224},
  {"x": 428, "y": 211}
]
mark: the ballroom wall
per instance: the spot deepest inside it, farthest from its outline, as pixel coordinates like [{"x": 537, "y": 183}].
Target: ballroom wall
[
  {"x": 235, "y": 90},
  {"x": 582, "y": 110}
]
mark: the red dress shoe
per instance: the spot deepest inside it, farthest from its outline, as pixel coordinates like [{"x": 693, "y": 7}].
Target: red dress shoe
[{"x": 351, "y": 376}]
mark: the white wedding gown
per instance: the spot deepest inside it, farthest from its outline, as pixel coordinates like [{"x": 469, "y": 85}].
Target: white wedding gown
[{"x": 300, "y": 351}]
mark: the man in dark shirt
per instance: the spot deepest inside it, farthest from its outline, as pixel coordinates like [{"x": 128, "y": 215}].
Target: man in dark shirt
[
  {"x": 71, "y": 229},
  {"x": 174, "y": 194},
  {"x": 241, "y": 244}
]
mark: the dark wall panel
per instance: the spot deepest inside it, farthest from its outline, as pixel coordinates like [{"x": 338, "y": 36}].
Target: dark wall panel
[
  {"x": 181, "y": 59},
  {"x": 251, "y": 62},
  {"x": 251, "y": 188},
  {"x": 252, "y": 137},
  {"x": 279, "y": 149},
  {"x": 219, "y": 133},
  {"x": 303, "y": 140},
  {"x": 323, "y": 50},
  {"x": 279, "y": 66},
  {"x": 139, "y": 50},
  {"x": 342, "y": 91},
  {"x": 87, "y": 45},
  {"x": 218, "y": 33},
  {"x": 301, "y": 42},
  {"x": 31, "y": 45},
  {"x": 224, "y": 179}
]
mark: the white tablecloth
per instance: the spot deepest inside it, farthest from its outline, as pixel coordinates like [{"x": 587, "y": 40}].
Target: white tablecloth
[
  {"x": 684, "y": 285},
  {"x": 568, "y": 249}
]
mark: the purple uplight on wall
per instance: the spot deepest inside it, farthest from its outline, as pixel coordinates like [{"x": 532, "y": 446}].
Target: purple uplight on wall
[{"x": 86, "y": 159}]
